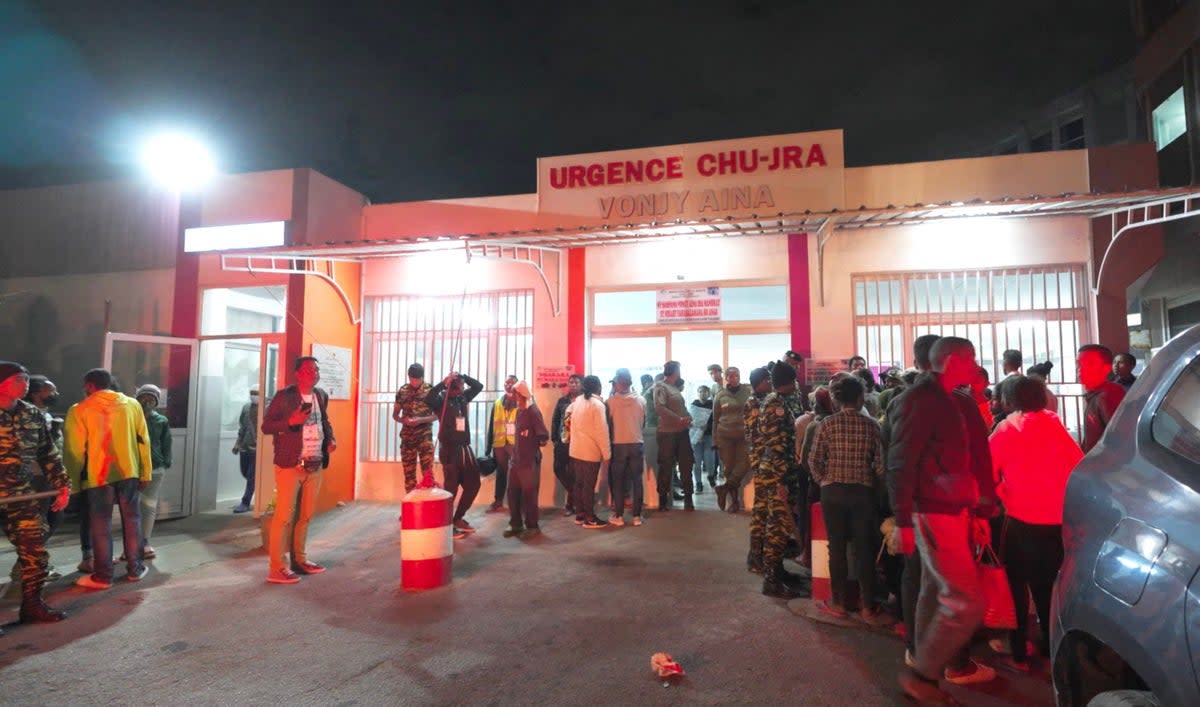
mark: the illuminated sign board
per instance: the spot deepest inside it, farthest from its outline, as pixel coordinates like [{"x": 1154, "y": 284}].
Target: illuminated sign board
[
  {"x": 244, "y": 235},
  {"x": 763, "y": 175}
]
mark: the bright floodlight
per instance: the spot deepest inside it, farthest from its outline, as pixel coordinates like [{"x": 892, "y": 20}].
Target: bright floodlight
[{"x": 178, "y": 161}]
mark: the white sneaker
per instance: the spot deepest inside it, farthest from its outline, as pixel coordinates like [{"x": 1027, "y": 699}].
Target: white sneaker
[
  {"x": 637, "y": 520},
  {"x": 616, "y": 520}
]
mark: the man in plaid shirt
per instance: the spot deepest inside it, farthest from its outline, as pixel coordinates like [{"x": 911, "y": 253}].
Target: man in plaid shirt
[{"x": 847, "y": 461}]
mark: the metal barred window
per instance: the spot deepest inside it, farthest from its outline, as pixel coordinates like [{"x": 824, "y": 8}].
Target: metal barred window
[
  {"x": 486, "y": 336},
  {"x": 1040, "y": 311}
]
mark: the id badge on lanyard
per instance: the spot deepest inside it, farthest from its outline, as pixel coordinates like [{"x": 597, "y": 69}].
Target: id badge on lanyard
[
  {"x": 510, "y": 430},
  {"x": 460, "y": 424}
]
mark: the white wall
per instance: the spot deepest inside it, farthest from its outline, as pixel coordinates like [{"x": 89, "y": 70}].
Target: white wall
[
  {"x": 691, "y": 260},
  {"x": 952, "y": 245}
]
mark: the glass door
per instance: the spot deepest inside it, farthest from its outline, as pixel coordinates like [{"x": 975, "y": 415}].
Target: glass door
[
  {"x": 750, "y": 351},
  {"x": 640, "y": 354},
  {"x": 696, "y": 350},
  {"x": 271, "y": 378},
  {"x": 229, "y": 368},
  {"x": 170, "y": 363}
]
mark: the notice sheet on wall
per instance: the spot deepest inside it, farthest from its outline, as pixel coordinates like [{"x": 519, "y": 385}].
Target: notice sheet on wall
[
  {"x": 689, "y": 304},
  {"x": 336, "y": 367}
]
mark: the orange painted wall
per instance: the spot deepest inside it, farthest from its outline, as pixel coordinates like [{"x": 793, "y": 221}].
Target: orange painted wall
[
  {"x": 326, "y": 321},
  {"x": 325, "y": 211}
]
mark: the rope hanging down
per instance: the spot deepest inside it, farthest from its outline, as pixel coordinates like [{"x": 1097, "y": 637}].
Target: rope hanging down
[{"x": 455, "y": 352}]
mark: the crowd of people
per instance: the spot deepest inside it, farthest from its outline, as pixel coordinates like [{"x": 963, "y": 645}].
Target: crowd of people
[
  {"x": 929, "y": 463},
  {"x": 110, "y": 449}
]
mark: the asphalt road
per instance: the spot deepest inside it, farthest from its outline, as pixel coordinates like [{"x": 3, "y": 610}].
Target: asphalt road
[{"x": 570, "y": 618}]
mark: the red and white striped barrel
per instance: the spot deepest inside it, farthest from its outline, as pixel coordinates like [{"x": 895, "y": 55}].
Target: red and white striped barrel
[
  {"x": 822, "y": 588},
  {"x": 426, "y": 539}
]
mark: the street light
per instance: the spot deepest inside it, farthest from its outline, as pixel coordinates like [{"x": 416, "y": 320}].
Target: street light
[{"x": 178, "y": 161}]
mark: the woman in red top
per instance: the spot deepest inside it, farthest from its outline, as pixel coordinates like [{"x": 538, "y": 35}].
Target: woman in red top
[{"x": 1032, "y": 457}]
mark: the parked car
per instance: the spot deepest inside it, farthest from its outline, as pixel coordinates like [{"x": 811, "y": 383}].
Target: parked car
[{"x": 1126, "y": 611}]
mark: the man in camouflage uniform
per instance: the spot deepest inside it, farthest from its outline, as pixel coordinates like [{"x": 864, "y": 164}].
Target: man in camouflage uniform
[
  {"x": 798, "y": 479},
  {"x": 775, "y": 427},
  {"x": 760, "y": 384},
  {"x": 26, "y": 442},
  {"x": 416, "y": 435}
]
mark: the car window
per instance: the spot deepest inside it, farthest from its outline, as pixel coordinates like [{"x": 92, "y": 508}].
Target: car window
[{"x": 1176, "y": 423}]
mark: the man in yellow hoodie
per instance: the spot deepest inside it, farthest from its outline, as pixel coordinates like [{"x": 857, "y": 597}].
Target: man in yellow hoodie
[{"x": 107, "y": 453}]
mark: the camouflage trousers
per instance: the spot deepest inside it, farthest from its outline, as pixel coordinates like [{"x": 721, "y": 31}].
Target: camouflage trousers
[
  {"x": 25, "y": 525},
  {"x": 771, "y": 523},
  {"x": 413, "y": 447}
]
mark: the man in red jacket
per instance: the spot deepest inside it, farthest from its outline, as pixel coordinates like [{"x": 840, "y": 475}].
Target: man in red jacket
[
  {"x": 944, "y": 496},
  {"x": 1103, "y": 396},
  {"x": 299, "y": 421}
]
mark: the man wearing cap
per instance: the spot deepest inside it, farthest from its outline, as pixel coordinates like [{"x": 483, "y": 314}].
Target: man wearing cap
[
  {"x": 760, "y": 386},
  {"x": 729, "y": 436},
  {"x": 149, "y": 396},
  {"x": 246, "y": 447},
  {"x": 416, "y": 420},
  {"x": 775, "y": 432},
  {"x": 796, "y": 361},
  {"x": 27, "y": 444},
  {"x": 893, "y": 385},
  {"x": 106, "y": 445},
  {"x": 674, "y": 442},
  {"x": 501, "y": 436},
  {"x": 524, "y": 477},
  {"x": 626, "y": 416},
  {"x": 43, "y": 395},
  {"x": 562, "y": 456}
]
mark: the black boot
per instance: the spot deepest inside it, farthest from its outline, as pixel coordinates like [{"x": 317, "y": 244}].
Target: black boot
[
  {"x": 774, "y": 586},
  {"x": 754, "y": 558},
  {"x": 789, "y": 577},
  {"x": 687, "y": 503},
  {"x": 799, "y": 585},
  {"x": 35, "y": 611},
  {"x": 722, "y": 492}
]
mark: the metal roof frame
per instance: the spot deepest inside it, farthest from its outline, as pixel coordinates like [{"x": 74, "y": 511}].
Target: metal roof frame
[
  {"x": 1091, "y": 205},
  {"x": 1127, "y": 210}
]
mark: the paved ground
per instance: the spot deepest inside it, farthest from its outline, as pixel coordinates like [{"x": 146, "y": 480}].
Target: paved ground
[{"x": 570, "y": 618}]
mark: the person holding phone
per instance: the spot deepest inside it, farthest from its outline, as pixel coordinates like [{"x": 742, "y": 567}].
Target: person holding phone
[{"x": 298, "y": 420}]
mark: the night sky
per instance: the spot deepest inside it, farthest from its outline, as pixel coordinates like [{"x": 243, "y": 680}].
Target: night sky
[{"x": 443, "y": 99}]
